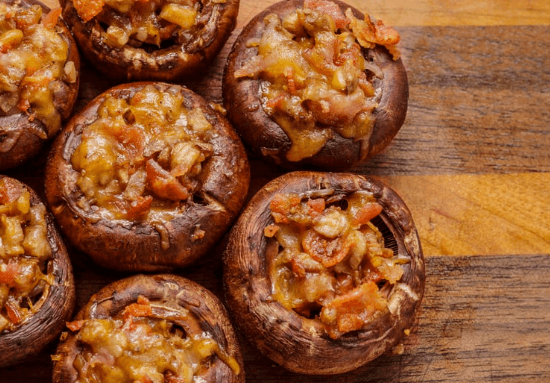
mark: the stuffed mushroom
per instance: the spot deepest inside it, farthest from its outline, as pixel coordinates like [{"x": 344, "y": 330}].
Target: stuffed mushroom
[
  {"x": 315, "y": 83},
  {"x": 37, "y": 291},
  {"x": 147, "y": 177},
  {"x": 157, "y": 329},
  {"x": 324, "y": 271},
  {"x": 164, "y": 40},
  {"x": 39, "y": 78}
]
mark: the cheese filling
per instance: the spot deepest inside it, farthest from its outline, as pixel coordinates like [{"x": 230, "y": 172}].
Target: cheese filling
[
  {"x": 145, "y": 343},
  {"x": 33, "y": 64},
  {"x": 24, "y": 254},
  {"x": 315, "y": 80},
  {"x": 141, "y": 159},
  {"x": 328, "y": 261}
]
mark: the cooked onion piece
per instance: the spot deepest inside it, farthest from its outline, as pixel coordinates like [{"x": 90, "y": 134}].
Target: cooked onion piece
[
  {"x": 36, "y": 285},
  {"x": 324, "y": 271},
  {"x": 157, "y": 329},
  {"x": 308, "y": 78},
  {"x": 150, "y": 168},
  {"x": 39, "y": 76},
  {"x": 152, "y": 39}
]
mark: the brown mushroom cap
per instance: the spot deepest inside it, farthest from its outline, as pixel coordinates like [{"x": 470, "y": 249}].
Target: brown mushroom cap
[
  {"x": 297, "y": 343},
  {"x": 21, "y": 138},
  {"x": 172, "y": 292},
  {"x": 265, "y": 138},
  {"x": 172, "y": 63},
  {"x": 136, "y": 246},
  {"x": 45, "y": 325}
]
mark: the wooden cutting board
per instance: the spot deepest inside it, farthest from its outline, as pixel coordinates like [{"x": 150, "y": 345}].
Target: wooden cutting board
[{"x": 472, "y": 162}]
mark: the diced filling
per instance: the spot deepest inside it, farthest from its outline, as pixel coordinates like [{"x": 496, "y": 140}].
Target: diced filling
[
  {"x": 142, "y": 345},
  {"x": 138, "y": 22},
  {"x": 315, "y": 79},
  {"x": 24, "y": 255},
  {"x": 33, "y": 61},
  {"x": 329, "y": 262},
  {"x": 141, "y": 158}
]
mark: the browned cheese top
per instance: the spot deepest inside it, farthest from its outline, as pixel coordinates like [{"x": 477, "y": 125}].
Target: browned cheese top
[
  {"x": 331, "y": 264},
  {"x": 138, "y": 22},
  {"x": 33, "y": 56},
  {"x": 314, "y": 76},
  {"x": 145, "y": 343},
  {"x": 24, "y": 255},
  {"x": 138, "y": 160}
]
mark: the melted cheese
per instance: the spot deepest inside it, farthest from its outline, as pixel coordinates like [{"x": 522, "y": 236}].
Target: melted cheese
[
  {"x": 24, "y": 253},
  {"x": 313, "y": 78},
  {"x": 141, "y": 158},
  {"x": 33, "y": 56},
  {"x": 330, "y": 260}
]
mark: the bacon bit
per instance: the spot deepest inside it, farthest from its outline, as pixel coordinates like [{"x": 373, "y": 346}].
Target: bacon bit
[
  {"x": 139, "y": 207},
  {"x": 132, "y": 139},
  {"x": 281, "y": 206},
  {"x": 137, "y": 98},
  {"x": 9, "y": 15},
  {"x": 88, "y": 9},
  {"x": 276, "y": 101},
  {"x": 13, "y": 313},
  {"x": 24, "y": 105},
  {"x": 353, "y": 309},
  {"x": 291, "y": 83},
  {"x": 7, "y": 277},
  {"x": 366, "y": 213},
  {"x": 316, "y": 206},
  {"x": 327, "y": 251},
  {"x": 142, "y": 308},
  {"x": 50, "y": 20},
  {"x": 170, "y": 377},
  {"x": 297, "y": 268},
  {"x": 10, "y": 191},
  {"x": 352, "y": 55},
  {"x": 271, "y": 230},
  {"x": 386, "y": 35},
  {"x": 163, "y": 184},
  {"x": 369, "y": 34},
  {"x": 330, "y": 9},
  {"x": 76, "y": 325}
]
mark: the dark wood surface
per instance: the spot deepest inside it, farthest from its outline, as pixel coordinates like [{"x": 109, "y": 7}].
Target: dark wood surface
[{"x": 472, "y": 162}]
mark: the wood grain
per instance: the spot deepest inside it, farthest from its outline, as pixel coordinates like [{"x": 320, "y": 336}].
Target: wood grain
[
  {"x": 481, "y": 214},
  {"x": 473, "y": 165}
]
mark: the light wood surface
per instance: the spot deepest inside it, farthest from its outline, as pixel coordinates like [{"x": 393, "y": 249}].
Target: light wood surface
[{"x": 472, "y": 162}]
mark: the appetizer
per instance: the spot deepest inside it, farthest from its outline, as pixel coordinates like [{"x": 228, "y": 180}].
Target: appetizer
[
  {"x": 155, "y": 329},
  {"x": 314, "y": 83},
  {"x": 148, "y": 176},
  {"x": 39, "y": 78},
  {"x": 36, "y": 282},
  {"x": 164, "y": 40},
  {"x": 324, "y": 271}
]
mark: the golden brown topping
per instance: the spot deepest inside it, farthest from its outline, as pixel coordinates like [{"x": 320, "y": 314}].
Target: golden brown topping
[
  {"x": 141, "y": 157},
  {"x": 33, "y": 55},
  {"x": 314, "y": 77},
  {"x": 24, "y": 253},
  {"x": 331, "y": 259},
  {"x": 369, "y": 34},
  {"x": 140, "y": 345}
]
